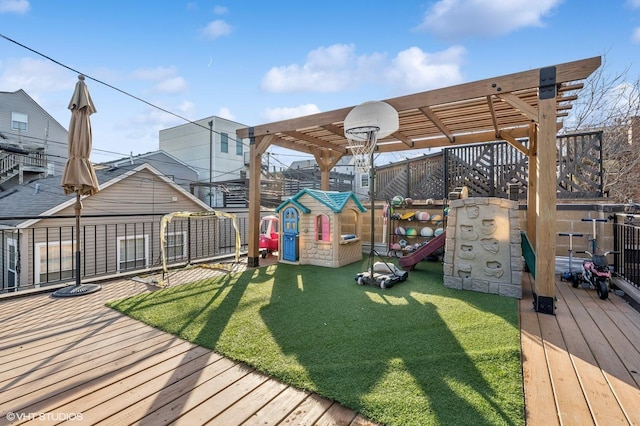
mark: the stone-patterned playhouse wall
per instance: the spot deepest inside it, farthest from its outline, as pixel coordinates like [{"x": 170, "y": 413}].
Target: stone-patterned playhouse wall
[{"x": 483, "y": 251}]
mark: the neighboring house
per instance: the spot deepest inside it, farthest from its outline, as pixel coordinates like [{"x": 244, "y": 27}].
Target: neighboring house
[
  {"x": 210, "y": 146},
  {"x": 170, "y": 166},
  {"x": 119, "y": 226},
  {"x": 34, "y": 143}
]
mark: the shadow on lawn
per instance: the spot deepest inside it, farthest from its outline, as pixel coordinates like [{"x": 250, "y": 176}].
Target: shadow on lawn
[{"x": 365, "y": 340}]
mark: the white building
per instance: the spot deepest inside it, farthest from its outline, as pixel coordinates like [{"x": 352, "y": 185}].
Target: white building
[{"x": 210, "y": 146}]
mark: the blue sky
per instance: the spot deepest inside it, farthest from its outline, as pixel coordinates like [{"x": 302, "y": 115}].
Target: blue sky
[{"x": 255, "y": 62}]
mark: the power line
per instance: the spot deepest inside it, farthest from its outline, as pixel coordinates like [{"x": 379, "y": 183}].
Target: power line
[{"x": 113, "y": 87}]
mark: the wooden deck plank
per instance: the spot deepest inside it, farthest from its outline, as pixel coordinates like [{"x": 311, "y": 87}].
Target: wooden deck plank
[
  {"x": 336, "y": 415},
  {"x": 53, "y": 351},
  {"x": 613, "y": 344},
  {"x": 278, "y": 408},
  {"x": 538, "y": 389},
  {"x": 100, "y": 389},
  {"x": 168, "y": 403},
  {"x": 592, "y": 380},
  {"x": 220, "y": 401},
  {"x": 22, "y": 395},
  {"x": 89, "y": 356},
  {"x": 570, "y": 401},
  {"x": 135, "y": 397},
  {"x": 608, "y": 358},
  {"x": 38, "y": 337},
  {"x": 308, "y": 412},
  {"x": 239, "y": 412}
]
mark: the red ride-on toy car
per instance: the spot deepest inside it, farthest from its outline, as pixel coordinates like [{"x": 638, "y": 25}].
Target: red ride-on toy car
[{"x": 269, "y": 226}]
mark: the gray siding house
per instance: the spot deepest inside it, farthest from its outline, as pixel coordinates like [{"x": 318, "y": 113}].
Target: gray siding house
[
  {"x": 175, "y": 169},
  {"x": 119, "y": 226},
  {"x": 32, "y": 142}
]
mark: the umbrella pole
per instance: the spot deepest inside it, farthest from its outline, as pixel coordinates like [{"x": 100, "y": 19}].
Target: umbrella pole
[{"x": 78, "y": 209}]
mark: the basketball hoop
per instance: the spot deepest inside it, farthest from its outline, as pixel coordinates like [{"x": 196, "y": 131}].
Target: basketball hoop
[
  {"x": 362, "y": 142},
  {"x": 362, "y": 127}
]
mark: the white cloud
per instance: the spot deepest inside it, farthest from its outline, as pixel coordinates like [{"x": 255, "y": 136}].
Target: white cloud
[
  {"x": 327, "y": 69},
  {"x": 414, "y": 69},
  {"x": 277, "y": 114},
  {"x": 339, "y": 68},
  {"x": 14, "y": 6},
  {"x": 635, "y": 36},
  {"x": 216, "y": 29},
  {"x": 166, "y": 77},
  {"x": 34, "y": 76},
  {"x": 171, "y": 85},
  {"x": 459, "y": 19},
  {"x": 633, "y": 3},
  {"x": 225, "y": 112}
]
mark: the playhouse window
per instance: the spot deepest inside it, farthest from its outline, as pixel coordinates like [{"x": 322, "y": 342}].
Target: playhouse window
[
  {"x": 323, "y": 230},
  {"x": 349, "y": 223}
]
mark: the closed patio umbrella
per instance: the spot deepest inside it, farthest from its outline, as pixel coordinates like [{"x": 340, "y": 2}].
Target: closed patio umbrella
[{"x": 79, "y": 177}]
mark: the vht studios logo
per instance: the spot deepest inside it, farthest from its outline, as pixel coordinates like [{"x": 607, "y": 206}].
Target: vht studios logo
[{"x": 61, "y": 417}]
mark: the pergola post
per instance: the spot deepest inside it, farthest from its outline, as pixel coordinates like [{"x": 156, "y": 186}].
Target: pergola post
[
  {"x": 545, "y": 240},
  {"x": 257, "y": 146},
  {"x": 532, "y": 188},
  {"x": 325, "y": 159}
]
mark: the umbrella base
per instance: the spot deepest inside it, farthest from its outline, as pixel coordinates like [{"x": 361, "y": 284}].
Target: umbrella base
[{"x": 76, "y": 290}]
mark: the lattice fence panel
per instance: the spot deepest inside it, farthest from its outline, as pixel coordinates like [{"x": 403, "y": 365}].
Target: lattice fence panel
[
  {"x": 426, "y": 177},
  {"x": 489, "y": 169},
  {"x": 580, "y": 165},
  {"x": 391, "y": 181}
]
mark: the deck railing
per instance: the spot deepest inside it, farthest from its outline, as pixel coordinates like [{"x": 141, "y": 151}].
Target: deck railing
[
  {"x": 111, "y": 245},
  {"x": 627, "y": 245}
]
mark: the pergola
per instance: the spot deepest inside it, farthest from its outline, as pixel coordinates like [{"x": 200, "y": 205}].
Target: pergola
[{"x": 528, "y": 104}]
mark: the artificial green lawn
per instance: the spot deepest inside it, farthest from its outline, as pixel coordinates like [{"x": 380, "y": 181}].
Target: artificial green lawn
[{"x": 415, "y": 354}]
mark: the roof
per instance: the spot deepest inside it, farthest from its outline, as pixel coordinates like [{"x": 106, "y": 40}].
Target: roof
[
  {"x": 45, "y": 196},
  {"x": 334, "y": 200},
  {"x": 151, "y": 156},
  {"x": 482, "y": 111}
]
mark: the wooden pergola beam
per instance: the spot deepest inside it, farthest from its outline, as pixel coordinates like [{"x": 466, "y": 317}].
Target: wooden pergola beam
[
  {"x": 438, "y": 123},
  {"x": 530, "y": 112},
  {"x": 315, "y": 141},
  {"x": 566, "y": 72}
]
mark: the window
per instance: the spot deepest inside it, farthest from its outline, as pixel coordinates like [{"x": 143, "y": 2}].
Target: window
[
  {"x": 349, "y": 222},
  {"x": 224, "y": 142},
  {"x": 323, "y": 228},
  {"x": 132, "y": 252},
  {"x": 174, "y": 245},
  {"x": 19, "y": 121},
  {"x": 12, "y": 264},
  {"x": 364, "y": 180},
  {"x": 238, "y": 146},
  {"x": 54, "y": 261}
]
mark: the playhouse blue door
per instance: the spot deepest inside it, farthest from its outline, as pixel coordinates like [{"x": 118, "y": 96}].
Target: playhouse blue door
[{"x": 290, "y": 234}]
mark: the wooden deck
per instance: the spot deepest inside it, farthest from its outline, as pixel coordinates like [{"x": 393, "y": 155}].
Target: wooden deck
[
  {"x": 73, "y": 356},
  {"x": 581, "y": 366},
  {"x": 66, "y": 357}
]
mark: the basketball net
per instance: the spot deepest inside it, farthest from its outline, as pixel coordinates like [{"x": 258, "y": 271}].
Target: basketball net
[{"x": 362, "y": 143}]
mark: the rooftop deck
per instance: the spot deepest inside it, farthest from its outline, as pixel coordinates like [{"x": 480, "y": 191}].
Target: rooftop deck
[{"x": 60, "y": 357}]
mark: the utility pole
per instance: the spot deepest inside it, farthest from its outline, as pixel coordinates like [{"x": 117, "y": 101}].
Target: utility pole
[{"x": 210, "y": 162}]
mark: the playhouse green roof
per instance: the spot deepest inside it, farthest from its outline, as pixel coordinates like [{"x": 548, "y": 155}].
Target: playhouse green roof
[{"x": 336, "y": 201}]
